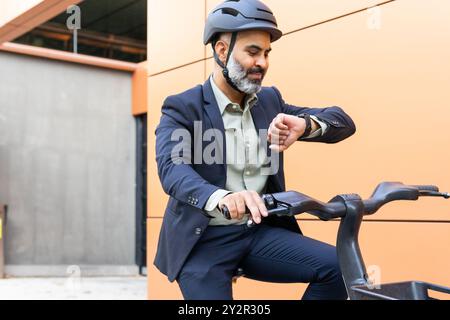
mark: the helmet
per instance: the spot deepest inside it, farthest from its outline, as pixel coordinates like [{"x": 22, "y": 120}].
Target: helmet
[
  {"x": 234, "y": 16},
  {"x": 240, "y": 15}
]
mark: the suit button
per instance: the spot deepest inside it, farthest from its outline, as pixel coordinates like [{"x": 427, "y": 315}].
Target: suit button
[{"x": 198, "y": 231}]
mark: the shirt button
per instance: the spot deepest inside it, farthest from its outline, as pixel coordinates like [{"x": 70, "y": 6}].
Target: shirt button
[{"x": 198, "y": 231}]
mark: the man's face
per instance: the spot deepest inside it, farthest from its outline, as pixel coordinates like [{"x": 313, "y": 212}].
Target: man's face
[{"x": 249, "y": 61}]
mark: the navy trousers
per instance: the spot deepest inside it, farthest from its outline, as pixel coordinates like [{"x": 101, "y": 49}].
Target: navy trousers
[{"x": 264, "y": 253}]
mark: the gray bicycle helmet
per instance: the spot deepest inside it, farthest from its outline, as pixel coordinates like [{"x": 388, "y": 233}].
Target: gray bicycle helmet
[
  {"x": 240, "y": 15},
  {"x": 235, "y": 16}
]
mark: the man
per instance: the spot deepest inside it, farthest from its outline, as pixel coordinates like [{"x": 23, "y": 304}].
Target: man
[{"x": 198, "y": 247}]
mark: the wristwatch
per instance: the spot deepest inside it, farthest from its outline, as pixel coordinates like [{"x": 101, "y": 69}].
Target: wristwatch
[{"x": 308, "y": 124}]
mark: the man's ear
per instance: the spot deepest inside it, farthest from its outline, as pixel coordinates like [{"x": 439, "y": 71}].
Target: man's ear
[{"x": 221, "y": 48}]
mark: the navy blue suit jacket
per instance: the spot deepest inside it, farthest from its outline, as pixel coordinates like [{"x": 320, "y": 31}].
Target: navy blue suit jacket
[{"x": 190, "y": 185}]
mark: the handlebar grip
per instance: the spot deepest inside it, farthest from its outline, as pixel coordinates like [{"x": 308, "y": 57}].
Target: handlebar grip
[
  {"x": 427, "y": 188},
  {"x": 268, "y": 199},
  {"x": 226, "y": 215}
]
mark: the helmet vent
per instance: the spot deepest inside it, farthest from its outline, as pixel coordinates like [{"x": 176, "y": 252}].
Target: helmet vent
[
  {"x": 271, "y": 22},
  {"x": 266, "y": 11},
  {"x": 230, "y": 11}
]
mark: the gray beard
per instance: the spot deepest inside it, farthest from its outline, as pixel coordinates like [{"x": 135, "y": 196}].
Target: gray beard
[{"x": 238, "y": 75}]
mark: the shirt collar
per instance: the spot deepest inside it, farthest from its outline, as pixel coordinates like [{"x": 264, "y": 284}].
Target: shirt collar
[{"x": 223, "y": 101}]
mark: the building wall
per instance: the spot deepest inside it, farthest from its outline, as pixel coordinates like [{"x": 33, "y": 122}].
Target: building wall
[
  {"x": 388, "y": 69},
  {"x": 10, "y": 9},
  {"x": 67, "y": 165}
]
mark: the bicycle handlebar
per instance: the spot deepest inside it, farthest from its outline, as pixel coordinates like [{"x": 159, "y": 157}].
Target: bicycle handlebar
[
  {"x": 350, "y": 208},
  {"x": 292, "y": 203},
  {"x": 426, "y": 188}
]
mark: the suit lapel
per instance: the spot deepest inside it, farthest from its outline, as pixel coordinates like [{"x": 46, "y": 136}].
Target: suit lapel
[
  {"x": 261, "y": 122},
  {"x": 212, "y": 109},
  {"x": 213, "y": 113}
]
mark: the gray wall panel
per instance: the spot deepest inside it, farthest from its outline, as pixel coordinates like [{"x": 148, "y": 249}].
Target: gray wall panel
[{"x": 67, "y": 163}]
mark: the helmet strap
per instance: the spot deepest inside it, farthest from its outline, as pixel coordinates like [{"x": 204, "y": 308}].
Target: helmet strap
[{"x": 224, "y": 66}]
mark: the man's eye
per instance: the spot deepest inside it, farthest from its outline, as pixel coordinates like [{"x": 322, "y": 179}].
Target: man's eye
[{"x": 252, "y": 53}]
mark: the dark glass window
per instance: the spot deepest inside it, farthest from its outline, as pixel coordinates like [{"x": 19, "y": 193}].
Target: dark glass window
[{"x": 115, "y": 29}]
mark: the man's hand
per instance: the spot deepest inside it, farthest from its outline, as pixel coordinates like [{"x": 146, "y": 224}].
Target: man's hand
[
  {"x": 284, "y": 131},
  {"x": 238, "y": 201}
]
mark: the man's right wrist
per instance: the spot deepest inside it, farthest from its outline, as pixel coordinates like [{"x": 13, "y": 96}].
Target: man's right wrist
[
  {"x": 308, "y": 125},
  {"x": 214, "y": 199}
]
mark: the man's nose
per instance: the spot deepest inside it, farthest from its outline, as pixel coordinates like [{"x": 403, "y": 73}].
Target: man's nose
[{"x": 262, "y": 62}]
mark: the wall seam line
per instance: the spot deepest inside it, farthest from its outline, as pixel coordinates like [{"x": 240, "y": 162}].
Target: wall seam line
[
  {"x": 285, "y": 34},
  {"x": 368, "y": 220}
]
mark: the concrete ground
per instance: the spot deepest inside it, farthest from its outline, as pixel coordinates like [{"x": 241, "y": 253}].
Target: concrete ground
[{"x": 96, "y": 288}]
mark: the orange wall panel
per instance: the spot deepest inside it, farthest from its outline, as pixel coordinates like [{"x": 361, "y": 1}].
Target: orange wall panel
[
  {"x": 159, "y": 288},
  {"x": 394, "y": 84},
  {"x": 140, "y": 89},
  {"x": 402, "y": 250},
  {"x": 175, "y": 33}
]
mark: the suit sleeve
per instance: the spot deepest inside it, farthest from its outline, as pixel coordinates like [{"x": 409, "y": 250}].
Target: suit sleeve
[
  {"x": 339, "y": 125},
  {"x": 173, "y": 156}
]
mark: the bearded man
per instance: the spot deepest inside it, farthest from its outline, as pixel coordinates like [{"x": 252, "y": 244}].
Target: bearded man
[{"x": 199, "y": 247}]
